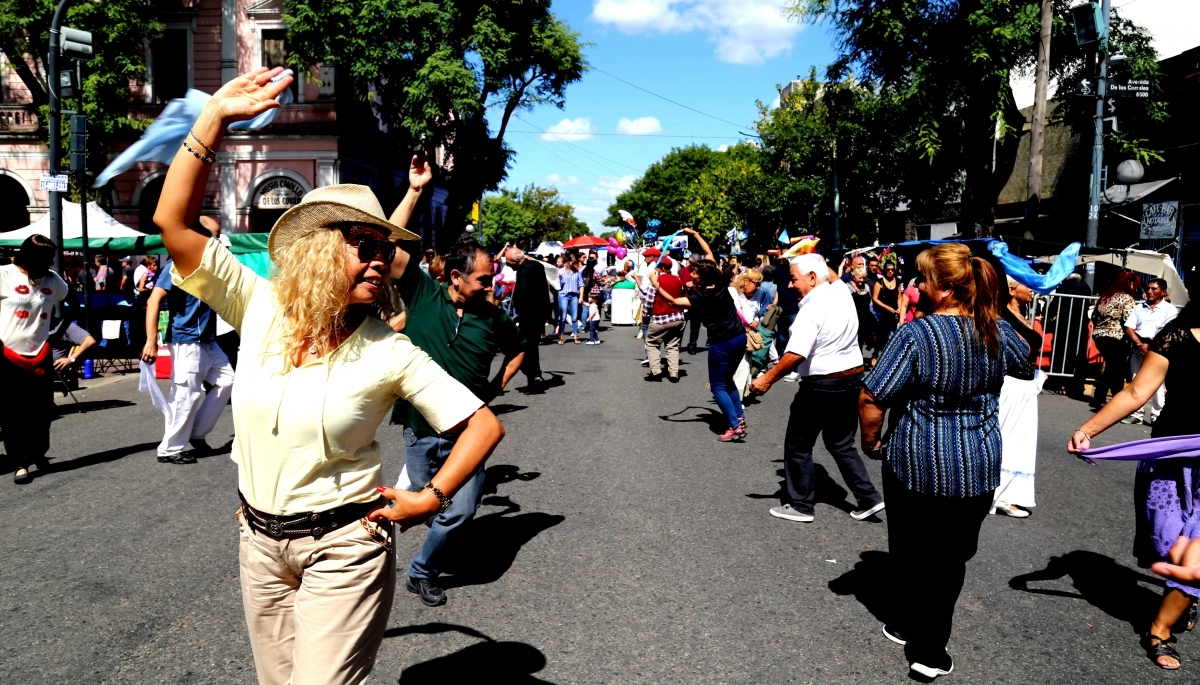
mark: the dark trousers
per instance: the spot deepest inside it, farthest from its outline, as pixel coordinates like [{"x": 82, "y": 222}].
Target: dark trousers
[
  {"x": 693, "y": 320},
  {"x": 1116, "y": 367},
  {"x": 26, "y": 410},
  {"x": 783, "y": 332},
  {"x": 532, "y": 325},
  {"x": 930, "y": 540},
  {"x": 828, "y": 408}
]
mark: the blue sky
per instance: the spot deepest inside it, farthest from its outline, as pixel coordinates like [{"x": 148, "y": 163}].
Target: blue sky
[{"x": 715, "y": 56}]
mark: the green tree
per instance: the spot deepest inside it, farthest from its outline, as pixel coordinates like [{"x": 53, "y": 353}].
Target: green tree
[
  {"x": 435, "y": 71},
  {"x": 947, "y": 63},
  {"x": 662, "y": 191},
  {"x": 119, "y": 31},
  {"x": 527, "y": 217}
]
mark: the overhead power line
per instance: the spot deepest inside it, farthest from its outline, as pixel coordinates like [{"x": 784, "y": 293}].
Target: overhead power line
[
  {"x": 673, "y": 102},
  {"x": 623, "y": 135}
]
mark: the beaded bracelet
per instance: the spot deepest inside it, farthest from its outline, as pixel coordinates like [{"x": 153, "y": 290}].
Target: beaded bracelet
[
  {"x": 202, "y": 158},
  {"x": 203, "y": 144}
]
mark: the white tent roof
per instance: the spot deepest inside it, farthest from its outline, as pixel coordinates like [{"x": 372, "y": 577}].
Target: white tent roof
[{"x": 100, "y": 225}]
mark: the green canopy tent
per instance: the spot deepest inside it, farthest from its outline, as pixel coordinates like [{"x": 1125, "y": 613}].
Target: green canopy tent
[{"x": 249, "y": 248}]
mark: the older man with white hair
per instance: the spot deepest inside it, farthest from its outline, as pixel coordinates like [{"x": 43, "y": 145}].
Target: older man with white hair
[{"x": 823, "y": 348}]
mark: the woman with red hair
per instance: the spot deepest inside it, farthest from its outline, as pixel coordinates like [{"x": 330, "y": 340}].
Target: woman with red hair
[{"x": 1108, "y": 330}]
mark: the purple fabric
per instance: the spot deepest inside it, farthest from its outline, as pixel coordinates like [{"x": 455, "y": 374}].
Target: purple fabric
[
  {"x": 1166, "y": 492},
  {"x": 1171, "y": 447}
]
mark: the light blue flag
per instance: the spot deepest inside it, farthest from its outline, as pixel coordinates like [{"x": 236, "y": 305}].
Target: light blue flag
[
  {"x": 1024, "y": 274},
  {"x": 783, "y": 237},
  {"x": 160, "y": 142}
]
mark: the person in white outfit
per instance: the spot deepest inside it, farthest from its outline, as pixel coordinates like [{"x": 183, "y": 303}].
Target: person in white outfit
[
  {"x": 1147, "y": 319},
  {"x": 196, "y": 359},
  {"x": 1019, "y": 416}
]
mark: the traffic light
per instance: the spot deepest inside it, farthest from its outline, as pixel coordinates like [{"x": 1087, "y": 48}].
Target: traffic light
[
  {"x": 76, "y": 44},
  {"x": 78, "y": 142},
  {"x": 1091, "y": 25}
]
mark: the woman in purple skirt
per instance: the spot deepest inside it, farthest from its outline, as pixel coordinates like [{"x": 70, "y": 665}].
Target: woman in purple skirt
[{"x": 1167, "y": 493}]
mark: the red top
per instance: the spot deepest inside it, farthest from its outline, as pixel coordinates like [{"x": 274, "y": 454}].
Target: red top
[
  {"x": 685, "y": 274},
  {"x": 672, "y": 285}
]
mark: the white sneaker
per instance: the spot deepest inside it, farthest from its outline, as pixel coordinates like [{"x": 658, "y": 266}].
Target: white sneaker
[
  {"x": 638, "y": 336},
  {"x": 792, "y": 377},
  {"x": 931, "y": 671},
  {"x": 787, "y": 512},
  {"x": 866, "y": 513},
  {"x": 589, "y": 343},
  {"x": 644, "y": 362}
]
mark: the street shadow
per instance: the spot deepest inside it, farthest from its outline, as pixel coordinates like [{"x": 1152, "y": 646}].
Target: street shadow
[
  {"x": 714, "y": 418},
  {"x": 89, "y": 460},
  {"x": 499, "y": 409},
  {"x": 550, "y": 379},
  {"x": 495, "y": 476},
  {"x": 828, "y": 490},
  {"x": 486, "y": 661},
  {"x": 86, "y": 406},
  {"x": 483, "y": 551},
  {"x": 871, "y": 583},
  {"x": 1100, "y": 581}
]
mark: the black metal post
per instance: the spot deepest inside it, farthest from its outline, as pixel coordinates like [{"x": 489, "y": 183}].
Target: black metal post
[{"x": 55, "y": 134}]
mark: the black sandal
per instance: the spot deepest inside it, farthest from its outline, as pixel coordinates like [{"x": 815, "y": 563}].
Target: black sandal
[
  {"x": 1191, "y": 617},
  {"x": 22, "y": 478},
  {"x": 1158, "y": 647}
]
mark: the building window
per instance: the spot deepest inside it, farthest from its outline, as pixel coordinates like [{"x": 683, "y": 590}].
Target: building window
[
  {"x": 169, "y": 64},
  {"x": 274, "y": 54}
]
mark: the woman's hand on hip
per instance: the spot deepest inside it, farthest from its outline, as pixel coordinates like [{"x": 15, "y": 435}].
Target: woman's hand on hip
[
  {"x": 408, "y": 508},
  {"x": 250, "y": 94}
]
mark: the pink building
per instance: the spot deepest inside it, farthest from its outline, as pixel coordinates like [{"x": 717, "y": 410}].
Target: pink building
[{"x": 258, "y": 174}]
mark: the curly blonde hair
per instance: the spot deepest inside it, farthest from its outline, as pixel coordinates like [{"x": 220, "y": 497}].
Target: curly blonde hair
[
  {"x": 312, "y": 289},
  {"x": 748, "y": 275}
]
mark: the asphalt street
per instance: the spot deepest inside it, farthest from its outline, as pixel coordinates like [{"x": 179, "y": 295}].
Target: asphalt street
[{"x": 619, "y": 542}]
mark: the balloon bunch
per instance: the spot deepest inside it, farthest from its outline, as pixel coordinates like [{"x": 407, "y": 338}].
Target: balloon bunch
[{"x": 616, "y": 246}]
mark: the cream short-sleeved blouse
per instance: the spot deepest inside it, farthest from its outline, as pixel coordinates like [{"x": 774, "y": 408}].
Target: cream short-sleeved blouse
[{"x": 304, "y": 437}]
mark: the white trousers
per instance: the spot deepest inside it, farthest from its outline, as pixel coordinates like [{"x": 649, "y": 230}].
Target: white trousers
[
  {"x": 1019, "y": 432},
  {"x": 192, "y": 412},
  {"x": 1155, "y": 404}
]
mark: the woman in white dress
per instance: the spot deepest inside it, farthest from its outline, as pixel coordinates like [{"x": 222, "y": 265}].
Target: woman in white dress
[{"x": 1019, "y": 417}]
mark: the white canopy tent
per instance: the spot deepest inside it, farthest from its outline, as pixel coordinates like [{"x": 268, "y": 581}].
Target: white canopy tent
[
  {"x": 101, "y": 225},
  {"x": 1142, "y": 261}
]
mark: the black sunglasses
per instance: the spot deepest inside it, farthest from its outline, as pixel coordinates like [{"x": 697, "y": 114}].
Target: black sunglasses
[{"x": 369, "y": 246}]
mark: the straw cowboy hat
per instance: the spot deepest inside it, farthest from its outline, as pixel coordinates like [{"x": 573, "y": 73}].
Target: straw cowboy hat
[{"x": 344, "y": 203}]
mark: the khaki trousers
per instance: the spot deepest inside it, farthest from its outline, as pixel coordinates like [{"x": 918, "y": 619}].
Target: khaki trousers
[
  {"x": 669, "y": 335},
  {"x": 316, "y": 609}
]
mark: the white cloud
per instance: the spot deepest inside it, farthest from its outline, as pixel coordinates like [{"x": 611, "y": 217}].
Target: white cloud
[
  {"x": 591, "y": 205},
  {"x": 638, "y": 127},
  {"x": 558, "y": 180},
  {"x": 745, "y": 31},
  {"x": 569, "y": 130},
  {"x": 724, "y": 148}
]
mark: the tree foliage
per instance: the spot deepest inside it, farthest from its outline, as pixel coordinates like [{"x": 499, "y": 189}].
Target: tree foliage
[
  {"x": 119, "y": 31},
  {"x": 527, "y": 217},
  {"x": 450, "y": 73},
  {"x": 947, "y": 64}
]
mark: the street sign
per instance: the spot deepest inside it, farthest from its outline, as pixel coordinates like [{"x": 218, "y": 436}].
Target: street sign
[
  {"x": 1159, "y": 220},
  {"x": 1087, "y": 87},
  {"x": 1129, "y": 88},
  {"x": 53, "y": 183}
]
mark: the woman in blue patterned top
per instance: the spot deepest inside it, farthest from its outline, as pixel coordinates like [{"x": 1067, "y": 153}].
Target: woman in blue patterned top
[{"x": 942, "y": 374}]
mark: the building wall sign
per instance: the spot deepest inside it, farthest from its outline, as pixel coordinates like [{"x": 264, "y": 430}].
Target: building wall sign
[
  {"x": 1159, "y": 219},
  {"x": 278, "y": 193}
]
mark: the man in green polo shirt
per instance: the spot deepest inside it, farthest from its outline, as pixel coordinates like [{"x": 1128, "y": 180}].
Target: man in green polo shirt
[{"x": 459, "y": 329}]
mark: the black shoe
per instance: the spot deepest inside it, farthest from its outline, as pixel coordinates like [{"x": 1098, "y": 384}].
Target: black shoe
[
  {"x": 932, "y": 668},
  {"x": 673, "y": 379},
  {"x": 431, "y": 594},
  {"x": 653, "y": 378},
  {"x": 181, "y": 458},
  {"x": 200, "y": 448},
  {"x": 691, "y": 349},
  {"x": 892, "y": 633}
]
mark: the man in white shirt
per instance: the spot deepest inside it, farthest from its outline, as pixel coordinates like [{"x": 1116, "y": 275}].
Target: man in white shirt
[
  {"x": 823, "y": 349},
  {"x": 1146, "y": 321}
]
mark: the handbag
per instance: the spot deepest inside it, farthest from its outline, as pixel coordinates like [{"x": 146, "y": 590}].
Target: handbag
[
  {"x": 754, "y": 341},
  {"x": 771, "y": 317}
]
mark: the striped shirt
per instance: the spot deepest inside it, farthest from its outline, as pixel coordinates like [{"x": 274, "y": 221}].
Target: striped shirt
[{"x": 947, "y": 441}]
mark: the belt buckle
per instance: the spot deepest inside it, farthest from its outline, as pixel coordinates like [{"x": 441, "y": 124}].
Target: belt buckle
[{"x": 274, "y": 529}]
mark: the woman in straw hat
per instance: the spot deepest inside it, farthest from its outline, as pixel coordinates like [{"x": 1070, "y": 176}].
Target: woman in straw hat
[{"x": 318, "y": 372}]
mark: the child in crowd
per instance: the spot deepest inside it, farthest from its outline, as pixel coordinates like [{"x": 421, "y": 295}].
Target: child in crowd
[{"x": 593, "y": 320}]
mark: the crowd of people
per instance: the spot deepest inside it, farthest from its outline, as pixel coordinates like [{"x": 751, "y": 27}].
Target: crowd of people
[{"x": 936, "y": 370}]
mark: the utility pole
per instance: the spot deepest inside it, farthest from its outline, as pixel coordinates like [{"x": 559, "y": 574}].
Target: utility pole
[
  {"x": 837, "y": 200},
  {"x": 52, "y": 77},
  {"x": 1038, "y": 128},
  {"x": 1093, "y": 222}
]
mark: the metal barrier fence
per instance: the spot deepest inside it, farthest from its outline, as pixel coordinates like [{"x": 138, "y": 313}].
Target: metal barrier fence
[{"x": 1065, "y": 320}]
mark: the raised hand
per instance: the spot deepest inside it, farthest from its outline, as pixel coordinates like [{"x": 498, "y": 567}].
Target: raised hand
[
  {"x": 250, "y": 94},
  {"x": 419, "y": 173}
]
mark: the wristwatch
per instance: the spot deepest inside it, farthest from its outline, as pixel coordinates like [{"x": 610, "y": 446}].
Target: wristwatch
[
  {"x": 444, "y": 501},
  {"x": 71, "y": 359}
]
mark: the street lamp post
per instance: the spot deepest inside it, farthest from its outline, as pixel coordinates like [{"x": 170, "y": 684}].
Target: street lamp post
[
  {"x": 56, "y": 233},
  {"x": 1093, "y": 222}
]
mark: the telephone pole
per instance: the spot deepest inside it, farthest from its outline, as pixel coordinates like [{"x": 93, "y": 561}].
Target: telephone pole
[{"x": 1038, "y": 127}]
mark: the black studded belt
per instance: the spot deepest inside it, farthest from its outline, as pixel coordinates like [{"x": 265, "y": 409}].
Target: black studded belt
[{"x": 309, "y": 524}]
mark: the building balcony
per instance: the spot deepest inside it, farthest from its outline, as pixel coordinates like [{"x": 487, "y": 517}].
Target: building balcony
[{"x": 18, "y": 119}]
